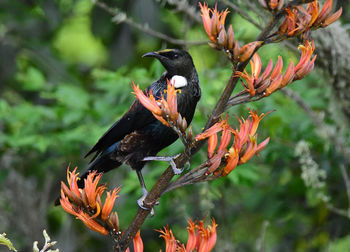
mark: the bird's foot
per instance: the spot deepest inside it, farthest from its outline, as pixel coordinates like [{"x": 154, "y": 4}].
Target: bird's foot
[
  {"x": 170, "y": 159},
  {"x": 141, "y": 204}
]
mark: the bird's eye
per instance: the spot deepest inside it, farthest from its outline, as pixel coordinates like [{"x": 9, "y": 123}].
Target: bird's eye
[{"x": 175, "y": 56}]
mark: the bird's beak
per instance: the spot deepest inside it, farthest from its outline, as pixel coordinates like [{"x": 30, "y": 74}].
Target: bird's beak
[{"x": 151, "y": 54}]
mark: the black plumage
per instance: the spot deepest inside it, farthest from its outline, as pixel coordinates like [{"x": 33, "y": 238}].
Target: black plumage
[{"x": 138, "y": 134}]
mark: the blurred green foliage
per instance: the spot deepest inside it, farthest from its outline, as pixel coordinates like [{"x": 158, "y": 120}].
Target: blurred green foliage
[{"x": 67, "y": 79}]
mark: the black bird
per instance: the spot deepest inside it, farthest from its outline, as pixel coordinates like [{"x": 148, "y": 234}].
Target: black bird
[{"x": 138, "y": 134}]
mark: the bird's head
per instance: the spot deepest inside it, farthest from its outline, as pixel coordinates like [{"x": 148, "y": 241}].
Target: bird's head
[{"x": 175, "y": 61}]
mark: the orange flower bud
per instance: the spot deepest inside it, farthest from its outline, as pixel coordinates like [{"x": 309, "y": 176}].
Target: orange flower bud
[
  {"x": 222, "y": 38},
  {"x": 231, "y": 38},
  {"x": 267, "y": 71},
  {"x": 275, "y": 84},
  {"x": 236, "y": 50},
  {"x": 215, "y": 162},
  {"x": 326, "y": 10},
  {"x": 278, "y": 68},
  {"x": 262, "y": 145},
  {"x": 288, "y": 76},
  {"x": 212, "y": 143},
  {"x": 114, "y": 221},
  {"x": 332, "y": 18},
  {"x": 247, "y": 50}
]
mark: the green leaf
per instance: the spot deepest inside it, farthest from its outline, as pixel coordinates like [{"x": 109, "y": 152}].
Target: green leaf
[{"x": 33, "y": 79}]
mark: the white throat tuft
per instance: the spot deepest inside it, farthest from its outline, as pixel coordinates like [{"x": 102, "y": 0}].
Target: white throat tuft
[{"x": 178, "y": 81}]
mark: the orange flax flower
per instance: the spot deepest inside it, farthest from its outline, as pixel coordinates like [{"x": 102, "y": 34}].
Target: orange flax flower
[
  {"x": 72, "y": 178},
  {"x": 171, "y": 244},
  {"x": 192, "y": 236},
  {"x": 305, "y": 64},
  {"x": 150, "y": 103},
  {"x": 90, "y": 223},
  {"x": 249, "y": 150},
  {"x": 171, "y": 100},
  {"x": 325, "y": 17},
  {"x": 225, "y": 138},
  {"x": 200, "y": 238},
  {"x": 66, "y": 205},
  {"x": 299, "y": 20},
  {"x": 206, "y": 237},
  {"x": 109, "y": 203},
  {"x": 232, "y": 161},
  {"x": 138, "y": 244},
  {"x": 215, "y": 23},
  {"x": 90, "y": 187},
  {"x": 252, "y": 149},
  {"x": 272, "y": 78},
  {"x": 256, "y": 118},
  {"x": 165, "y": 109},
  {"x": 88, "y": 204},
  {"x": 217, "y": 127}
]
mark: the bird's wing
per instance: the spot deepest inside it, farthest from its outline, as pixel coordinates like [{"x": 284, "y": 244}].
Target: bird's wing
[{"x": 135, "y": 118}]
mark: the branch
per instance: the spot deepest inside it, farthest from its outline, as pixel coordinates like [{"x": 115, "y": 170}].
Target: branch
[
  {"x": 183, "y": 6},
  {"x": 121, "y": 17},
  {"x": 338, "y": 211},
  {"x": 242, "y": 13},
  {"x": 346, "y": 180}
]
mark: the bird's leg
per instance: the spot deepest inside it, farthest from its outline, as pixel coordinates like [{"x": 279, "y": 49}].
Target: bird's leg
[
  {"x": 144, "y": 193},
  {"x": 176, "y": 170}
]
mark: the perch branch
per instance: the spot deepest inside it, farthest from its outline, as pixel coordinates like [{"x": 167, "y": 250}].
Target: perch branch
[{"x": 121, "y": 17}]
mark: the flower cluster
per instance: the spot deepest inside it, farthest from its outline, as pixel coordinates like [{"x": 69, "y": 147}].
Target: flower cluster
[
  {"x": 272, "y": 4},
  {"x": 86, "y": 204},
  {"x": 214, "y": 25},
  {"x": 165, "y": 108},
  {"x": 273, "y": 79},
  {"x": 300, "y": 20},
  {"x": 200, "y": 238},
  {"x": 244, "y": 146}
]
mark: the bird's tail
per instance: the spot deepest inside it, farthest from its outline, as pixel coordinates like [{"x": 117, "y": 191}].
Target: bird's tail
[{"x": 102, "y": 164}]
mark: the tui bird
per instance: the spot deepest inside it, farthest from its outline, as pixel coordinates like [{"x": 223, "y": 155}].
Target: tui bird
[{"x": 138, "y": 135}]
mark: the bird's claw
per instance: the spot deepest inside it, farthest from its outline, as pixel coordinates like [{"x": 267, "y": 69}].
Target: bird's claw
[
  {"x": 141, "y": 204},
  {"x": 176, "y": 170}
]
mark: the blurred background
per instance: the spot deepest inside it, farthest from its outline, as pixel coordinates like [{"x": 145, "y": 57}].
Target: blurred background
[{"x": 65, "y": 73}]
